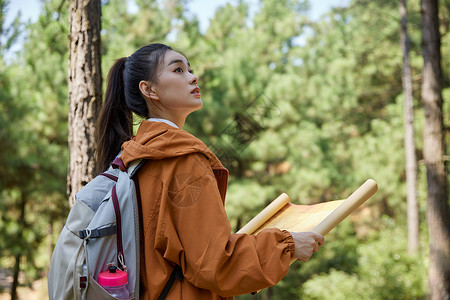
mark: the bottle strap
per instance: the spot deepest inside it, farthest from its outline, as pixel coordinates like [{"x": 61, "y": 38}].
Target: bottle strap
[{"x": 120, "y": 256}]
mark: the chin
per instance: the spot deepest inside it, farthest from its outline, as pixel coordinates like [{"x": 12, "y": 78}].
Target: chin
[
  {"x": 199, "y": 105},
  {"x": 195, "y": 108}
]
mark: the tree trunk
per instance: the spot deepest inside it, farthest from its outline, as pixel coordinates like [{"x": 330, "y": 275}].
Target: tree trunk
[
  {"x": 410, "y": 149},
  {"x": 85, "y": 91},
  {"x": 16, "y": 272},
  {"x": 438, "y": 215},
  {"x": 18, "y": 256}
]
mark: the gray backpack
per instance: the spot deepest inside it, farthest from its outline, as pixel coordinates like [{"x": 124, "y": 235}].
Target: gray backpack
[{"x": 102, "y": 229}]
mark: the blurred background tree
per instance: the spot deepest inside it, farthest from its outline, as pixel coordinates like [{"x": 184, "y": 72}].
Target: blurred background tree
[
  {"x": 310, "y": 107},
  {"x": 438, "y": 210},
  {"x": 85, "y": 91}
]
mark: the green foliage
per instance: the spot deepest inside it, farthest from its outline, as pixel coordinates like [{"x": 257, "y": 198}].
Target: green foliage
[
  {"x": 310, "y": 108},
  {"x": 336, "y": 285},
  {"x": 251, "y": 197},
  {"x": 33, "y": 122},
  {"x": 383, "y": 270}
]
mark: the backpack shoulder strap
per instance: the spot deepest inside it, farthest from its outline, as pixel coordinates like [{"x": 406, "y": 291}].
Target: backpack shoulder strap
[
  {"x": 177, "y": 273},
  {"x": 132, "y": 167},
  {"x": 135, "y": 166}
]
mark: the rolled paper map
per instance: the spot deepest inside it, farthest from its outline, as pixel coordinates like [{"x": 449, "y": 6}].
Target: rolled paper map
[
  {"x": 265, "y": 214},
  {"x": 287, "y": 216},
  {"x": 361, "y": 195},
  {"x": 358, "y": 197},
  {"x": 320, "y": 218}
]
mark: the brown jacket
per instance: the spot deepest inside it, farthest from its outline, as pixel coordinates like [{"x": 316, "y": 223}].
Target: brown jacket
[{"x": 182, "y": 188}]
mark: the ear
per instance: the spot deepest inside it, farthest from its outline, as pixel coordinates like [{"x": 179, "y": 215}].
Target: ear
[{"x": 148, "y": 90}]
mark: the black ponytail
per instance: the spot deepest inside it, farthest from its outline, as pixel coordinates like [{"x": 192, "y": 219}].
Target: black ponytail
[
  {"x": 115, "y": 122},
  {"x": 123, "y": 98}
]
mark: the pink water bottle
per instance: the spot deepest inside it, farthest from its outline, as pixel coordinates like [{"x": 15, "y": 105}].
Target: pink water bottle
[{"x": 115, "y": 282}]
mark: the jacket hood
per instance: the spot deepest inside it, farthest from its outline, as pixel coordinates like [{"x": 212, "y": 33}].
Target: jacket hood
[{"x": 158, "y": 140}]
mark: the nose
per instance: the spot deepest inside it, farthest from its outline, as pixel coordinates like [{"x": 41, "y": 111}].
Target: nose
[{"x": 194, "y": 79}]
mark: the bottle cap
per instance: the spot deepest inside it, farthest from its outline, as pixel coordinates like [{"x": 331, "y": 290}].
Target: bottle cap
[{"x": 112, "y": 277}]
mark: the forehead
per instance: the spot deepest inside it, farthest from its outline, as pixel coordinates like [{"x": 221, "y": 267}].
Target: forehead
[{"x": 174, "y": 57}]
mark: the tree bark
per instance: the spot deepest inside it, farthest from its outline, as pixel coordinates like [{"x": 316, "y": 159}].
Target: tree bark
[
  {"x": 410, "y": 149},
  {"x": 18, "y": 256},
  {"x": 16, "y": 272},
  {"x": 85, "y": 91},
  {"x": 438, "y": 215}
]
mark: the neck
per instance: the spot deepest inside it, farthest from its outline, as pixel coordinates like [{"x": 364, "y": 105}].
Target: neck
[{"x": 179, "y": 121}]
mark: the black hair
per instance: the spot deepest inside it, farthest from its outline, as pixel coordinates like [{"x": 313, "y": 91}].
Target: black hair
[{"x": 123, "y": 98}]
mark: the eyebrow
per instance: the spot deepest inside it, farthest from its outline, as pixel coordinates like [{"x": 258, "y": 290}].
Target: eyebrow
[{"x": 175, "y": 61}]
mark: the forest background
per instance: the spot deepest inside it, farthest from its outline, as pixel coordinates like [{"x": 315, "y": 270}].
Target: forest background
[{"x": 308, "y": 107}]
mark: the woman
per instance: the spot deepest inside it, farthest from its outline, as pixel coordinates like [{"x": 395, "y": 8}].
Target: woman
[{"x": 182, "y": 187}]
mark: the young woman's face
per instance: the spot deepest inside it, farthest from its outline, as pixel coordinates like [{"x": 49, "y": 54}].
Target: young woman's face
[{"x": 177, "y": 86}]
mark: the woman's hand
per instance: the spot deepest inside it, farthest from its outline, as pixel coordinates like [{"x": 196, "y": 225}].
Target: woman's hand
[{"x": 306, "y": 243}]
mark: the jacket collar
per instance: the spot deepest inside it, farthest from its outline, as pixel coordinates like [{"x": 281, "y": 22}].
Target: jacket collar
[{"x": 158, "y": 140}]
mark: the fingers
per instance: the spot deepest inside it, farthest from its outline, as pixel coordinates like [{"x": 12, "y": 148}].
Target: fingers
[
  {"x": 318, "y": 241},
  {"x": 315, "y": 247},
  {"x": 306, "y": 258},
  {"x": 306, "y": 243},
  {"x": 318, "y": 238}
]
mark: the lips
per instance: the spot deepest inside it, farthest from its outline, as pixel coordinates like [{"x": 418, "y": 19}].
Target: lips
[{"x": 196, "y": 90}]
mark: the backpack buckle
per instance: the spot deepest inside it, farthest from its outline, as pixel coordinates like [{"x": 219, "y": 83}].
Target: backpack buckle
[{"x": 85, "y": 234}]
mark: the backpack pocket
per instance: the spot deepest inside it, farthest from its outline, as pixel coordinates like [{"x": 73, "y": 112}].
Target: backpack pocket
[
  {"x": 96, "y": 292},
  {"x": 65, "y": 266}
]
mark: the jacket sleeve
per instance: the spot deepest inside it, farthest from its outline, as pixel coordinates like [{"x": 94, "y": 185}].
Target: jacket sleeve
[{"x": 197, "y": 236}]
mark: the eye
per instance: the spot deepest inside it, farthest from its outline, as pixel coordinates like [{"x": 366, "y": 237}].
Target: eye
[
  {"x": 179, "y": 70},
  {"x": 191, "y": 71}
]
